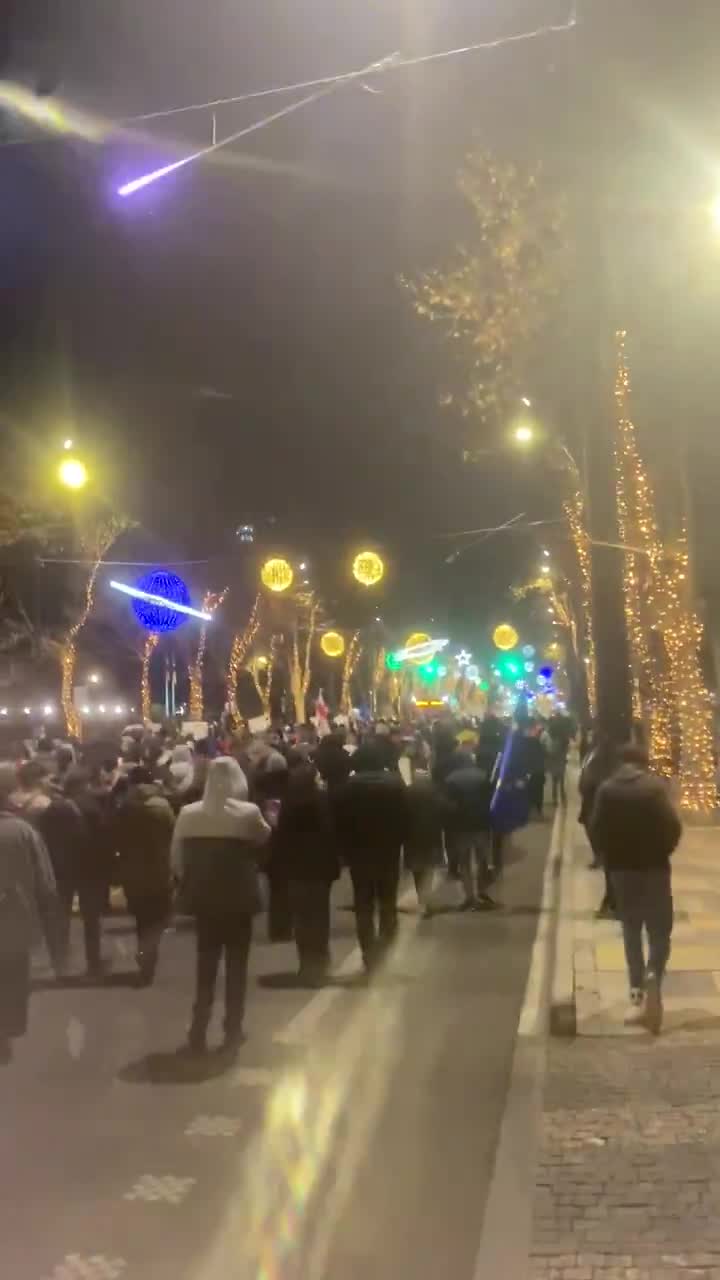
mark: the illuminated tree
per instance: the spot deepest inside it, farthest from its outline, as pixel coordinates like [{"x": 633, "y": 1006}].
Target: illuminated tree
[
  {"x": 211, "y": 601},
  {"x": 95, "y": 542},
  {"x": 352, "y": 657},
  {"x": 492, "y": 303},
  {"x": 240, "y": 647},
  {"x": 302, "y": 632}
]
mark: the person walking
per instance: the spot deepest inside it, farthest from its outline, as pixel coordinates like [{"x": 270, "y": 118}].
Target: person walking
[
  {"x": 469, "y": 791},
  {"x": 372, "y": 821},
  {"x": 214, "y": 855},
  {"x": 60, "y": 824},
  {"x": 597, "y": 766},
  {"x": 638, "y": 829},
  {"x": 91, "y": 864},
  {"x": 536, "y": 765},
  {"x": 27, "y": 902},
  {"x": 304, "y": 848},
  {"x": 560, "y": 733},
  {"x": 423, "y": 848},
  {"x": 332, "y": 760},
  {"x": 143, "y": 829}
]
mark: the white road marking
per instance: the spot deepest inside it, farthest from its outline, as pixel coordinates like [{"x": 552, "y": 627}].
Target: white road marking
[
  {"x": 534, "y": 1009},
  {"x": 75, "y": 1036},
  {"x": 507, "y": 1222},
  {"x": 213, "y": 1127},
  {"x": 76, "y": 1266},
  {"x": 165, "y": 1189},
  {"x": 301, "y": 1027}
]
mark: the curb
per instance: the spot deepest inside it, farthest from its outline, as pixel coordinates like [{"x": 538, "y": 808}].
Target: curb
[{"x": 563, "y": 1008}]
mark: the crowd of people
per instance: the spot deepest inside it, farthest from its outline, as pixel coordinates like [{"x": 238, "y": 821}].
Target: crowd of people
[{"x": 221, "y": 828}]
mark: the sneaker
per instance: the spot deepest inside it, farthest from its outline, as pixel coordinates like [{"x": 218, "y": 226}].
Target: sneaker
[
  {"x": 486, "y": 903},
  {"x": 635, "y": 1016},
  {"x": 468, "y": 905},
  {"x": 653, "y": 1005}
]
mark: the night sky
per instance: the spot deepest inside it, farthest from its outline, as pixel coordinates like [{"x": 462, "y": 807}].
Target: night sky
[{"x": 232, "y": 343}]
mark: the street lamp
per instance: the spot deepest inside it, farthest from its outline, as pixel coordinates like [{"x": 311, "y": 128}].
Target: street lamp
[
  {"x": 523, "y": 434},
  {"x": 72, "y": 473}
]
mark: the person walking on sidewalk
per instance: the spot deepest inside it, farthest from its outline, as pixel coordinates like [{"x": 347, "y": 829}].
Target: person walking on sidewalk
[
  {"x": 637, "y": 827},
  {"x": 214, "y": 856}
]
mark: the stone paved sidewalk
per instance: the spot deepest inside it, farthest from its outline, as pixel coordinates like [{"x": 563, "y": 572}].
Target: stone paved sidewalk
[
  {"x": 628, "y": 1181},
  {"x": 692, "y": 991}
]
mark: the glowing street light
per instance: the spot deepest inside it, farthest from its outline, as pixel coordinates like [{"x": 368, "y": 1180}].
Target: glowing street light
[
  {"x": 72, "y": 473},
  {"x": 67, "y": 444},
  {"x": 523, "y": 434},
  {"x": 94, "y": 677}
]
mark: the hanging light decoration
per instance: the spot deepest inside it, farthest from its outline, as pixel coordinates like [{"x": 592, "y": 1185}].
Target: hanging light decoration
[
  {"x": 332, "y": 644},
  {"x": 368, "y": 568},
  {"x": 277, "y": 574},
  {"x": 505, "y": 636}
]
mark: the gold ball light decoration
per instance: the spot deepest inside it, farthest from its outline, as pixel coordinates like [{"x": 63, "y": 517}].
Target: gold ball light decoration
[
  {"x": 413, "y": 641},
  {"x": 368, "y": 568},
  {"x": 505, "y": 637},
  {"x": 332, "y": 644},
  {"x": 277, "y": 574}
]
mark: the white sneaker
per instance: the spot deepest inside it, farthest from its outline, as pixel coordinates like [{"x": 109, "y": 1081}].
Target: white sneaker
[{"x": 635, "y": 1016}]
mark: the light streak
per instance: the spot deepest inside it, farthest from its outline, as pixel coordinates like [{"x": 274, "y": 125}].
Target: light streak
[{"x": 161, "y": 600}]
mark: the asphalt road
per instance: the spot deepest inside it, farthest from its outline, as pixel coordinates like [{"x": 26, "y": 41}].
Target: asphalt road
[{"x": 353, "y": 1138}]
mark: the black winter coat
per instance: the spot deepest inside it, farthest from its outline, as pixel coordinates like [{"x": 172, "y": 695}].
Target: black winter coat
[
  {"x": 372, "y": 818},
  {"x": 634, "y": 824},
  {"x": 304, "y": 846},
  {"x": 469, "y": 792},
  {"x": 428, "y": 812}
]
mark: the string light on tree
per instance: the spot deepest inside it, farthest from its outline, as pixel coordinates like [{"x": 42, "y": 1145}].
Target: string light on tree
[{"x": 240, "y": 647}]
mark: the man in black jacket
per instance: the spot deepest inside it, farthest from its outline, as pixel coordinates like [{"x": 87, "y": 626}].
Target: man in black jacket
[
  {"x": 372, "y": 821},
  {"x": 635, "y": 824},
  {"x": 468, "y": 789}
]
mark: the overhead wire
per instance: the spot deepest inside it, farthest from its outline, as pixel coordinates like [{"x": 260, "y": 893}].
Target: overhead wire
[{"x": 396, "y": 63}]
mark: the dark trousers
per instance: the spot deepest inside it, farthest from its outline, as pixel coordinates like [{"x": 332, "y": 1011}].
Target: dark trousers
[
  {"x": 14, "y": 993},
  {"x": 91, "y": 904},
  {"x": 310, "y": 903},
  {"x": 645, "y": 898},
  {"x": 215, "y": 935},
  {"x": 559, "y": 792},
  {"x": 536, "y": 791},
  {"x": 376, "y": 917},
  {"x": 151, "y": 913}
]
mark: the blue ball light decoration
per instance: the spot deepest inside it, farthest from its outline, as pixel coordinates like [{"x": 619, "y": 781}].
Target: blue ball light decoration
[{"x": 156, "y": 617}]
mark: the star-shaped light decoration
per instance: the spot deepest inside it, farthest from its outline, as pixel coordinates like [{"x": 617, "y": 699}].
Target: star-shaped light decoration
[{"x": 463, "y": 658}]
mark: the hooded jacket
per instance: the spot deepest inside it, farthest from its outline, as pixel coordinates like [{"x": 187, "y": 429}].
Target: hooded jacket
[
  {"x": 143, "y": 831},
  {"x": 634, "y": 824},
  {"x": 215, "y": 843}
]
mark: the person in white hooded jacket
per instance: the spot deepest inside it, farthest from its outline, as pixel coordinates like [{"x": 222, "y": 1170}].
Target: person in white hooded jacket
[{"x": 214, "y": 857}]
